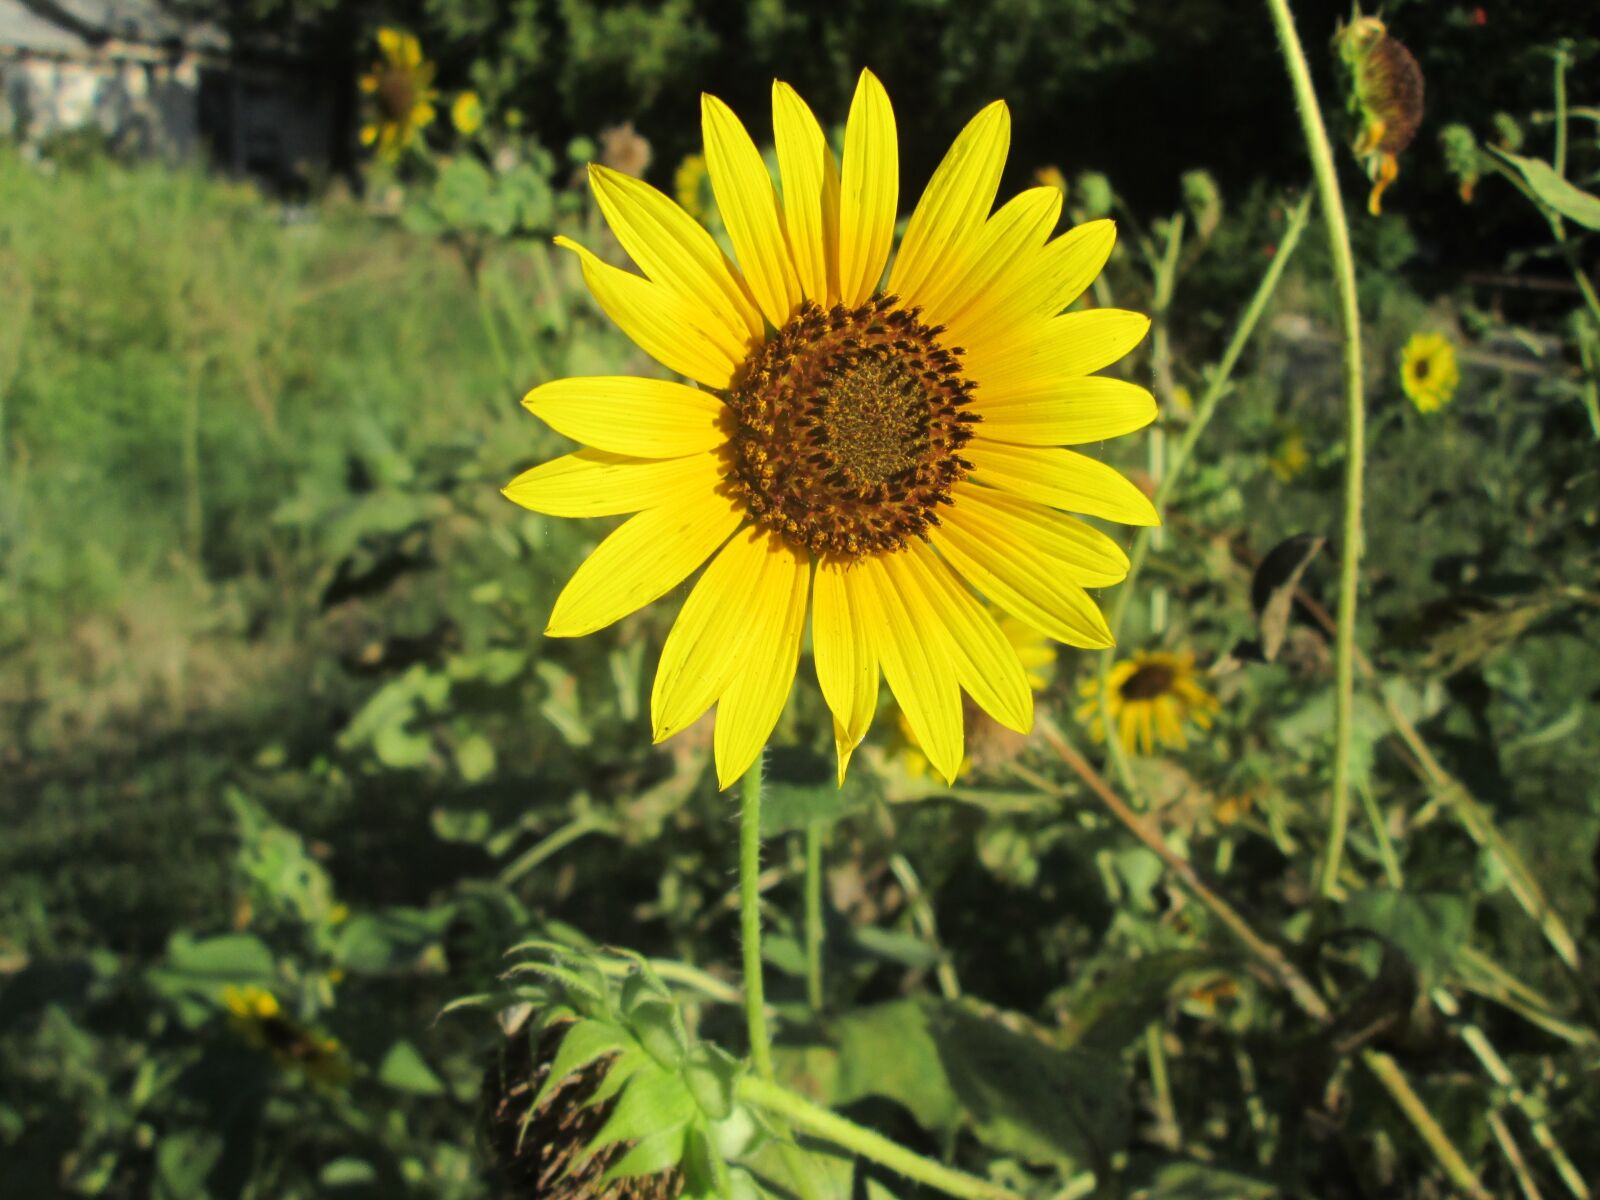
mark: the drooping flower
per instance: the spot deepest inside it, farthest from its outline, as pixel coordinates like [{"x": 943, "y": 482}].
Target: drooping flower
[
  {"x": 255, "y": 1016},
  {"x": 1383, "y": 98},
  {"x": 1428, "y": 371},
  {"x": 401, "y": 87},
  {"x": 872, "y": 451},
  {"x": 466, "y": 114},
  {"x": 1152, "y": 697}
]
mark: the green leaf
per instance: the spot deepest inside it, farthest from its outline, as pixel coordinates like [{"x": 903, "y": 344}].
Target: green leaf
[
  {"x": 475, "y": 759},
  {"x": 1430, "y": 929},
  {"x": 801, "y": 788},
  {"x": 404, "y": 1070},
  {"x": 347, "y": 1172},
  {"x": 1191, "y": 1181},
  {"x": 395, "y": 939},
  {"x": 1567, "y": 199}
]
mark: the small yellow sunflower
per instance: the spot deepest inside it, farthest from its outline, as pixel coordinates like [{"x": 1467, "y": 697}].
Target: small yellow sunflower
[
  {"x": 873, "y": 451},
  {"x": 466, "y": 114},
  {"x": 1153, "y": 695},
  {"x": 1428, "y": 371},
  {"x": 401, "y": 87},
  {"x": 256, "y": 1017},
  {"x": 691, "y": 184},
  {"x": 1291, "y": 455}
]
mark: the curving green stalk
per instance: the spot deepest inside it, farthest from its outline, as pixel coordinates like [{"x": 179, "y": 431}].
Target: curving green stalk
[
  {"x": 1344, "y": 269},
  {"x": 815, "y": 832},
  {"x": 822, "y": 1123}
]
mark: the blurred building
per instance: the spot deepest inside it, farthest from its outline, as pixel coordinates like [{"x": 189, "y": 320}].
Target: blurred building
[{"x": 151, "y": 83}]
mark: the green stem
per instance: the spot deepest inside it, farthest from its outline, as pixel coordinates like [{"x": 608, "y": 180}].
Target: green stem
[
  {"x": 1386, "y": 854},
  {"x": 1321, "y": 151},
  {"x": 1388, "y": 1073},
  {"x": 848, "y": 1135},
  {"x": 755, "y": 1002},
  {"x": 549, "y": 846},
  {"x": 815, "y": 832},
  {"x": 1560, "y": 161},
  {"x": 1168, "y": 1132},
  {"x": 1216, "y": 388}
]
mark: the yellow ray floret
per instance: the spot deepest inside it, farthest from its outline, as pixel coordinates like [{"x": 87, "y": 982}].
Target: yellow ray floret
[{"x": 881, "y": 446}]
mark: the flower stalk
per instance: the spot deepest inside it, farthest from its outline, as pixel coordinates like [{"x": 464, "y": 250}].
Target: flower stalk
[
  {"x": 822, "y": 1123},
  {"x": 1344, "y": 269}
]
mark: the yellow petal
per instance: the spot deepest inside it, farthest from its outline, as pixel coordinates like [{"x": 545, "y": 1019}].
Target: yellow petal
[
  {"x": 749, "y": 206},
  {"x": 810, "y": 194},
  {"x": 1009, "y": 237},
  {"x": 660, "y": 322},
  {"x": 847, "y": 669},
  {"x": 922, "y": 678},
  {"x": 1041, "y": 286},
  {"x": 1030, "y": 532},
  {"x": 645, "y": 557},
  {"x": 673, "y": 250},
  {"x": 596, "y": 483},
  {"x": 1066, "y": 412},
  {"x": 369, "y": 134},
  {"x": 1061, "y": 479},
  {"x": 1047, "y": 600},
  {"x": 753, "y": 701},
  {"x": 707, "y": 644},
  {"x": 869, "y": 191},
  {"x": 986, "y": 662},
  {"x": 647, "y": 418},
  {"x": 389, "y": 41},
  {"x": 1073, "y": 344},
  {"x": 368, "y": 83},
  {"x": 422, "y": 115},
  {"x": 410, "y": 52},
  {"x": 944, "y": 229}
]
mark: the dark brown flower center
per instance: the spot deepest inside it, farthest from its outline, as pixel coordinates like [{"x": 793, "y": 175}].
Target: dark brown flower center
[
  {"x": 847, "y": 427},
  {"x": 1148, "y": 682},
  {"x": 1421, "y": 368},
  {"x": 397, "y": 94}
]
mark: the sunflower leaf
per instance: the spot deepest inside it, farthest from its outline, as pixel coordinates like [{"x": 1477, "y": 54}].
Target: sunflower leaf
[{"x": 1565, "y": 198}]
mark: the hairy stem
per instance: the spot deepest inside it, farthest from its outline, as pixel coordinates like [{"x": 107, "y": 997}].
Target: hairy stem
[
  {"x": 1321, "y": 150},
  {"x": 815, "y": 832},
  {"x": 755, "y": 1002}
]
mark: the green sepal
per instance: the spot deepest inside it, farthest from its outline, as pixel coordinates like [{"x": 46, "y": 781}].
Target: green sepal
[
  {"x": 659, "y": 1028},
  {"x": 711, "y": 1074},
  {"x": 661, "y": 1151},
  {"x": 584, "y": 1043},
  {"x": 621, "y": 1070},
  {"x": 653, "y": 1100}
]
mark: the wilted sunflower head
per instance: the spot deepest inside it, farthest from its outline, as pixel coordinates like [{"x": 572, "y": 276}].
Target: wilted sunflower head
[
  {"x": 400, "y": 87},
  {"x": 1429, "y": 373},
  {"x": 1383, "y": 98},
  {"x": 1151, "y": 697},
  {"x": 870, "y": 444}
]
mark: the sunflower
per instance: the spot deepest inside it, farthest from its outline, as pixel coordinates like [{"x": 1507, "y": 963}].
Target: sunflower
[
  {"x": 869, "y": 451},
  {"x": 402, "y": 89},
  {"x": 255, "y": 1016},
  {"x": 1428, "y": 371},
  {"x": 691, "y": 185},
  {"x": 466, "y": 114},
  {"x": 1153, "y": 695}
]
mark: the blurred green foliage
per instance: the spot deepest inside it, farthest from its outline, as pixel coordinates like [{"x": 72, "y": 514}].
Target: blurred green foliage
[{"x": 276, "y": 711}]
